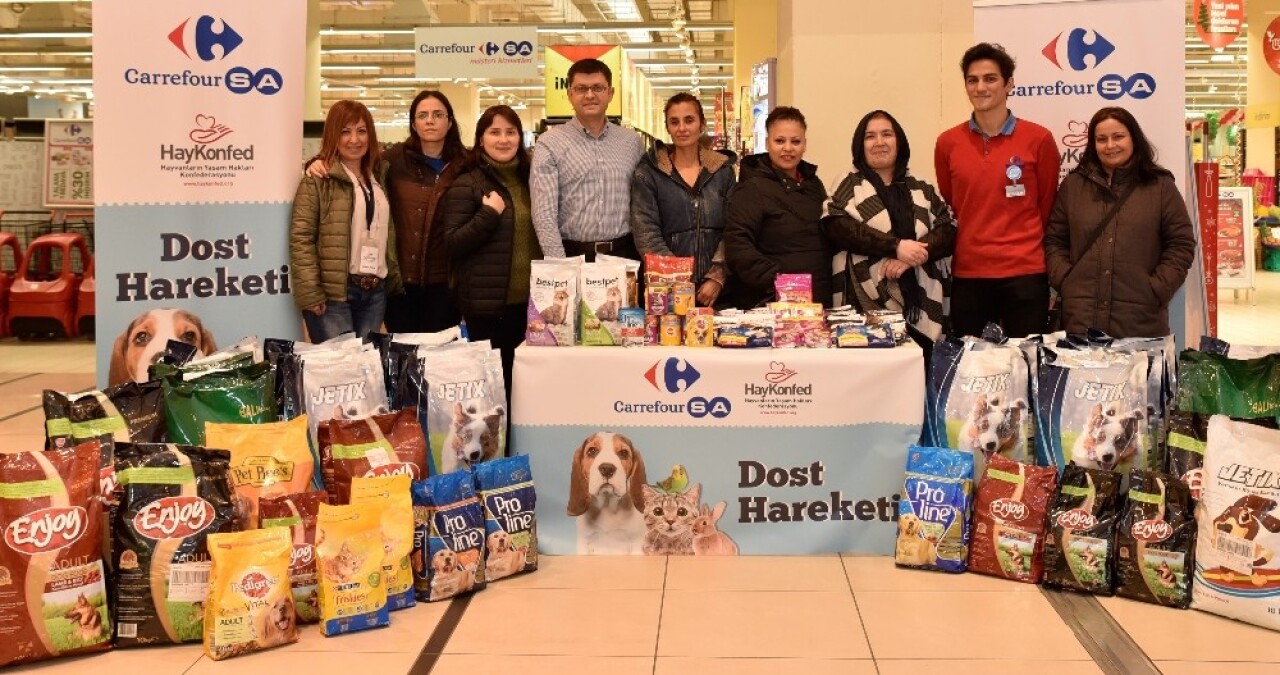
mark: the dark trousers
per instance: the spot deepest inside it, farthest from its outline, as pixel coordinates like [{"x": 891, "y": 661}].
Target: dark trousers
[
  {"x": 1020, "y": 305},
  {"x": 505, "y": 333},
  {"x": 422, "y": 309}
]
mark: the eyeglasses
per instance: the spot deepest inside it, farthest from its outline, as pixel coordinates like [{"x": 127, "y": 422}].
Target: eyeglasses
[
  {"x": 583, "y": 90},
  {"x": 432, "y": 115}
]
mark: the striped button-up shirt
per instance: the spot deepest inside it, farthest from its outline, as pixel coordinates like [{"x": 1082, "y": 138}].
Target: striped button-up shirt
[{"x": 580, "y": 184}]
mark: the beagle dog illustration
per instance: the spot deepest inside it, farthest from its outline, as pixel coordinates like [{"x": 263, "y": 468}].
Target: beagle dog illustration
[
  {"x": 606, "y": 483},
  {"x": 144, "y": 340}
]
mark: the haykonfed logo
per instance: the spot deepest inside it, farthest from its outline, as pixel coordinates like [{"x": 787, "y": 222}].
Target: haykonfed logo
[
  {"x": 1075, "y": 48},
  {"x": 202, "y": 36}
]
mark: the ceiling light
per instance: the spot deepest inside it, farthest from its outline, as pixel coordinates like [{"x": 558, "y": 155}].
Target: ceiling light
[
  {"x": 369, "y": 50},
  {"x": 1222, "y": 58},
  {"x": 32, "y": 69},
  {"x": 350, "y": 67}
]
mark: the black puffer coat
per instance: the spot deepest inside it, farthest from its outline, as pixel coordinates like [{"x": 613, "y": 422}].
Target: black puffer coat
[
  {"x": 479, "y": 241},
  {"x": 773, "y": 226},
  {"x": 669, "y": 217}
]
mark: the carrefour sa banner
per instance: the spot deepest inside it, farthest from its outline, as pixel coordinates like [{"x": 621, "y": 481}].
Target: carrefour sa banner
[
  {"x": 476, "y": 52},
  {"x": 558, "y": 60}
]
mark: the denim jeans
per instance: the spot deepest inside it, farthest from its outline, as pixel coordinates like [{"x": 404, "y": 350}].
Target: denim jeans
[{"x": 361, "y": 313}]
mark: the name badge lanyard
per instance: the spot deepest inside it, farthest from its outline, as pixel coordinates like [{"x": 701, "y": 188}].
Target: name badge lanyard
[
  {"x": 368, "y": 254},
  {"x": 1014, "y": 173}
]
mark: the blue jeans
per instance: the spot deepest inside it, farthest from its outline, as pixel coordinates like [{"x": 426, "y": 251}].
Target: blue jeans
[{"x": 361, "y": 313}]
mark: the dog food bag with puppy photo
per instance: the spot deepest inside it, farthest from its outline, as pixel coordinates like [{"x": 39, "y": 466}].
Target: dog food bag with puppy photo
[
  {"x": 242, "y": 395},
  {"x": 505, "y": 487},
  {"x": 298, "y": 512},
  {"x": 267, "y": 460},
  {"x": 450, "y": 537},
  {"x": 602, "y": 288},
  {"x": 933, "y": 515},
  {"x": 346, "y": 385},
  {"x": 1154, "y": 541},
  {"x": 392, "y": 493},
  {"x": 1008, "y": 520},
  {"x": 171, "y": 499},
  {"x": 553, "y": 303},
  {"x": 466, "y": 411},
  {"x": 250, "y": 606},
  {"x": 353, "y": 591},
  {"x": 53, "y": 595},
  {"x": 1082, "y": 522},
  {"x": 1238, "y": 531},
  {"x": 381, "y": 445}
]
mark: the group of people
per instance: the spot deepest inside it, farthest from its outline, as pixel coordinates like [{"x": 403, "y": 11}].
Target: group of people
[{"x": 427, "y": 232}]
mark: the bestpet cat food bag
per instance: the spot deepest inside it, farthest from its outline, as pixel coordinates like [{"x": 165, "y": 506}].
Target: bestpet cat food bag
[
  {"x": 602, "y": 288},
  {"x": 242, "y": 395},
  {"x": 298, "y": 512},
  {"x": 392, "y": 493},
  {"x": 553, "y": 303},
  {"x": 933, "y": 515},
  {"x": 267, "y": 460},
  {"x": 345, "y": 385},
  {"x": 632, "y": 267},
  {"x": 1078, "y": 554},
  {"x": 449, "y": 538},
  {"x": 353, "y": 591},
  {"x": 1009, "y": 520},
  {"x": 381, "y": 445},
  {"x": 1155, "y": 539},
  {"x": 1238, "y": 525},
  {"x": 128, "y": 412},
  {"x": 52, "y": 581},
  {"x": 505, "y": 488},
  {"x": 250, "y": 605},
  {"x": 466, "y": 411},
  {"x": 171, "y": 499}
]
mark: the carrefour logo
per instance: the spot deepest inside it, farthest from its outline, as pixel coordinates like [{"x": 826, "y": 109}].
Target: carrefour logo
[
  {"x": 202, "y": 36},
  {"x": 1137, "y": 85},
  {"x": 1076, "y": 47},
  {"x": 672, "y": 375}
]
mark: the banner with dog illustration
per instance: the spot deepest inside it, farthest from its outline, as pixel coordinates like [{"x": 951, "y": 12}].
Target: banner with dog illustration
[
  {"x": 197, "y": 107},
  {"x": 679, "y": 450}
]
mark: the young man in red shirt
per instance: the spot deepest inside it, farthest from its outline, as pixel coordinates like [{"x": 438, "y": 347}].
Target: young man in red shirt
[{"x": 1000, "y": 176}]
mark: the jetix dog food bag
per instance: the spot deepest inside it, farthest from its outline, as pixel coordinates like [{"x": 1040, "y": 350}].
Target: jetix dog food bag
[
  {"x": 250, "y": 606},
  {"x": 933, "y": 515}
]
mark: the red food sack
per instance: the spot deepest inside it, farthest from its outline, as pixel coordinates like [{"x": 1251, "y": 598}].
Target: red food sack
[
  {"x": 1009, "y": 519},
  {"x": 381, "y": 445}
]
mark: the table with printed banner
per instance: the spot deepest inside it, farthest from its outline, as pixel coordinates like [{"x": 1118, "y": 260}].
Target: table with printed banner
[{"x": 749, "y": 451}]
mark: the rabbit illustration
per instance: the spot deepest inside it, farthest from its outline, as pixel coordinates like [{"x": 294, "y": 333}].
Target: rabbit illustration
[{"x": 707, "y": 540}]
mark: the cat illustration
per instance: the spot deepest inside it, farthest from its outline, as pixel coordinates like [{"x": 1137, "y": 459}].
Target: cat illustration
[
  {"x": 669, "y": 520},
  {"x": 343, "y": 567}
]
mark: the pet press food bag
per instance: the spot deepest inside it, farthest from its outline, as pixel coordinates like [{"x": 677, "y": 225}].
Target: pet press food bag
[
  {"x": 933, "y": 515},
  {"x": 250, "y": 606},
  {"x": 171, "y": 499},
  {"x": 602, "y": 288},
  {"x": 1154, "y": 541},
  {"x": 298, "y": 512},
  {"x": 267, "y": 460},
  {"x": 381, "y": 445},
  {"x": 1009, "y": 520},
  {"x": 392, "y": 494},
  {"x": 1082, "y": 523},
  {"x": 448, "y": 556},
  {"x": 1238, "y": 531},
  {"x": 128, "y": 412},
  {"x": 505, "y": 488},
  {"x": 241, "y": 395},
  {"x": 466, "y": 411},
  {"x": 353, "y": 592},
  {"x": 553, "y": 303},
  {"x": 343, "y": 385},
  {"x": 52, "y": 581}
]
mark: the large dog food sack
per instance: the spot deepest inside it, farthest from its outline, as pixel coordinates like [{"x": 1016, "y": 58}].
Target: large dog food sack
[
  {"x": 1211, "y": 384},
  {"x": 250, "y": 606},
  {"x": 1091, "y": 410},
  {"x": 505, "y": 487},
  {"x": 171, "y": 499},
  {"x": 353, "y": 591},
  {"x": 1155, "y": 539},
  {"x": 603, "y": 289},
  {"x": 128, "y": 412},
  {"x": 1082, "y": 522},
  {"x": 1184, "y": 448},
  {"x": 553, "y": 303},
  {"x": 933, "y": 515},
  {"x": 298, "y": 512},
  {"x": 391, "y": 493},
  {"x": 53, "y": 595},
  {"x": 449, "y": 541},
  {"x": 1008, "y": 520},
  {"x": 343, "y": 385},
  {"x": 267, "y": 460},
  {"x": 381, "y": 445},
  {"x": 466, "y": 412},
  {"x": 243, "y": 395}
]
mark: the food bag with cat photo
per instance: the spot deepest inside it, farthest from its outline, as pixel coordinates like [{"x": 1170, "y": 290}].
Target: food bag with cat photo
[
  {"x": 242, "y": 395},
  {"x": 1154, "y": 541},
  {"x": 1078, "y": 553},
  {"x": 267, "y": 460},
  {"x": 553, "y": 303},
  {"x": 250, "y": 606},
  {"x": 505, "y": 488},
  {"x": 602, "y": 288},
  {"x": 1008, "y": 520},
  {"x": 466, "y": 410},
  {"x": 381, "y": 445},
  {"x": 448, "y": 556},
  {"x": 298, "y": 512},
  {"x": 391, "y": 492},
  {"x": 933, "y": 514},
  {"x": 353, "y": 590}
]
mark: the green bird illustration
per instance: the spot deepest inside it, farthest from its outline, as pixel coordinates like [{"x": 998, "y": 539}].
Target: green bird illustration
[{"x": 677, "y": 482}]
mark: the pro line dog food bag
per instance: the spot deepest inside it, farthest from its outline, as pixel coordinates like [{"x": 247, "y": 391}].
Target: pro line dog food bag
[
  {"x": 271, "y": 459},
  {"x": 466, "y": 410},
  {"x": 392, "y": 494},
  {"x": 1009, "y": 520},
  {"x": 1078, "y": 554},
  {"x": 553, "y": 303},
  {"x": 171, "y": 499},
  {"x": 448, "y": 555},
  {"x": 933, "y": 515},
  {"x": 128, "y": 412},
  {"x": 1237, "y": 574},
  {"x": 298, "y": 512},
  {"x": 353, "y": 591},
  {"x": 505, "y": 487},
  {"x": 381, "y": 445},
  {"x": 52, "y": 581},
  {"x": 603, "y": 290},
  {"x": 242, "y": 395},
  {"x": 250, "y": 606},
  {"x": 1155, "y": 539}
]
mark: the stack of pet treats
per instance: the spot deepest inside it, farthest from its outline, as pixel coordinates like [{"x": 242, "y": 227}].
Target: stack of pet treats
[{"x": 672, "y": 316}]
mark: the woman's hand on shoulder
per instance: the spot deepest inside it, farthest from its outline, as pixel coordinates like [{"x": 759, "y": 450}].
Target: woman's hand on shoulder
[{"x": 317, "y": 169}]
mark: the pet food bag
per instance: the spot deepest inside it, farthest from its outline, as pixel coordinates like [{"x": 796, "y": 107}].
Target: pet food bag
[
  {"x": 632, "y": 296},
  {"x": 298, "y": 512},
  {"x": 667, "y": 269},
  {"x": 1082, "y": 522},
  {"x": 171, "y": 499},
  {"x": 1212, "y": 345},
  {"x": 250, "y": 606},
  {"x": 1184, "y": 449},
  {"x": 242, "y": 395},
  {"x": 794, "y": 287},
  {"x": 128, "y": 412},
  {"x": 392, "y": 493},
  {"x": 1211, "y": 384},
  {"x": 505, "y": 488},
  {"x": 1238, "y": 531},
  {"x": 343, "y": 385},
  {"x": 466, "y": 410},
  {"x": 381, "y": 445},
  {"x": 1009, "y": 520},
  {"x": 933, "y": 515},
  {"x": 52, "y": 582},
  {"x": 602, "y": 288},
  {"x": 353, "y": 592},
  {"x": 553, "y": 303},
  {"x": 1154, "y": 541},
  {"x": 449, "y": 537},
  {"x": 267, "y": 460}
]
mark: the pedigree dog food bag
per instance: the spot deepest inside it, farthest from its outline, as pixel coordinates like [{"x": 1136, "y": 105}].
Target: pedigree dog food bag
[
  {"x": 353, "y": 589},
  {"x": 392, "y": 494},
  {"x": 267, "y": 460},
  {"x": 250, "y": 606}
]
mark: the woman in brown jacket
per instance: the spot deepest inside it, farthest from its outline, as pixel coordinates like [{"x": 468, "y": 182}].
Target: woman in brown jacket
[{"x": 1123, "y": 282}]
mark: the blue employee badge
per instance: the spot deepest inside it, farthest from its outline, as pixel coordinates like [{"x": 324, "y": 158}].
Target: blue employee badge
[{"x": 1013, "y": 172}]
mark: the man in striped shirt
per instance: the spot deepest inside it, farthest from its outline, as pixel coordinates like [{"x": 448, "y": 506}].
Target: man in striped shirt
[{"x": 580, "y": 181}]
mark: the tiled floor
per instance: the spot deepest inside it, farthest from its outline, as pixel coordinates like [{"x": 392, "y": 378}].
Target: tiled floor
[{"x": 817, "y": 615}]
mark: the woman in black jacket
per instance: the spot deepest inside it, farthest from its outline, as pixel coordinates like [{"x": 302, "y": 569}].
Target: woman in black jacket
[
  {"x": 487, "y": 225},
  {"x": 773, "y": 224}
]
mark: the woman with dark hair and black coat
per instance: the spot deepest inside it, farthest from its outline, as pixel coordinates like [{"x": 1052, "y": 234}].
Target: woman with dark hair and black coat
[{"x": 894, "y": 231}]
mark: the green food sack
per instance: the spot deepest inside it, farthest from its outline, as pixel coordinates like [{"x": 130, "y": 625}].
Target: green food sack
[
  {"x": 1212, "y": 384},
  {"x": 242, "y": 395}
]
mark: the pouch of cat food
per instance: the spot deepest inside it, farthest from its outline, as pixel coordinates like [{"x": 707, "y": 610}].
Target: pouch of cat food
[
  {"x": 602, "y": 289},
  {"x": 1008, "y": 520},
  {"x": 933, "y": 515},
  {"x": 250, "y": 605},
  {"x": 505, "y": 488},
  {"x": 128, "y": 412},
  {"x": 392, "y": 492},
  {"x": 631, "y": 325},
  {"x": 466, "y": 411},
  {"x": 171, "y": 499},
  {"x": 1078, "y": 553},
  {"x": 553, "y": 303},
  {"x": 298, "y": 513},
  {"x": 52, "y": 581},
  {"x": 343, "y": 385},
  {"x": 449, "y": 537},
  {"x": 794, "y": 287},
  {"x": 381, "y": 445},
  {"x": 353, "y": 592},
  {"x": 1154, "y": 541},
  {"x": 267, "y": 460},
  {"x": 241, "y": 395}
]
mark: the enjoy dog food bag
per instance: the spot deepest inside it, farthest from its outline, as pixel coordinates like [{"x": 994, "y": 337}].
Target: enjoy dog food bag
[
  {"x": 267, "y": 460},
  {"x": 250, "y": 606},
  {"x": 553, "y": 303},
  {"x": 933, "y": 515},
  {"x": 1078, "y": 554},
  {"x": 505, "y": 488},
  {"x": 242, "y": 395},
  {"x": 466, "y": 410},
  {"x": 1155, "y": 539},
  {"x": 449, "y": 537},
  {"x": 381, "y": 445},
  {"x": 1238, "y": 532},
  {"x": 353, "y": 591},
  {"x": 392, "y": 494},
  {"x": 1009, "y": 520},
  {"x": 602, "y": 288},
  {"x": 171, "y": 499},
  {"x": 52, "y": 582},
  {"x": 298, "y": 512},
  {"x": 343, "y": 385}
]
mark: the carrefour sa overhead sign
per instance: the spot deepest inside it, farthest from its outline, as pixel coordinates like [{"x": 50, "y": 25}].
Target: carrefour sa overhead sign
[{"x": 476, "y": 52}]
